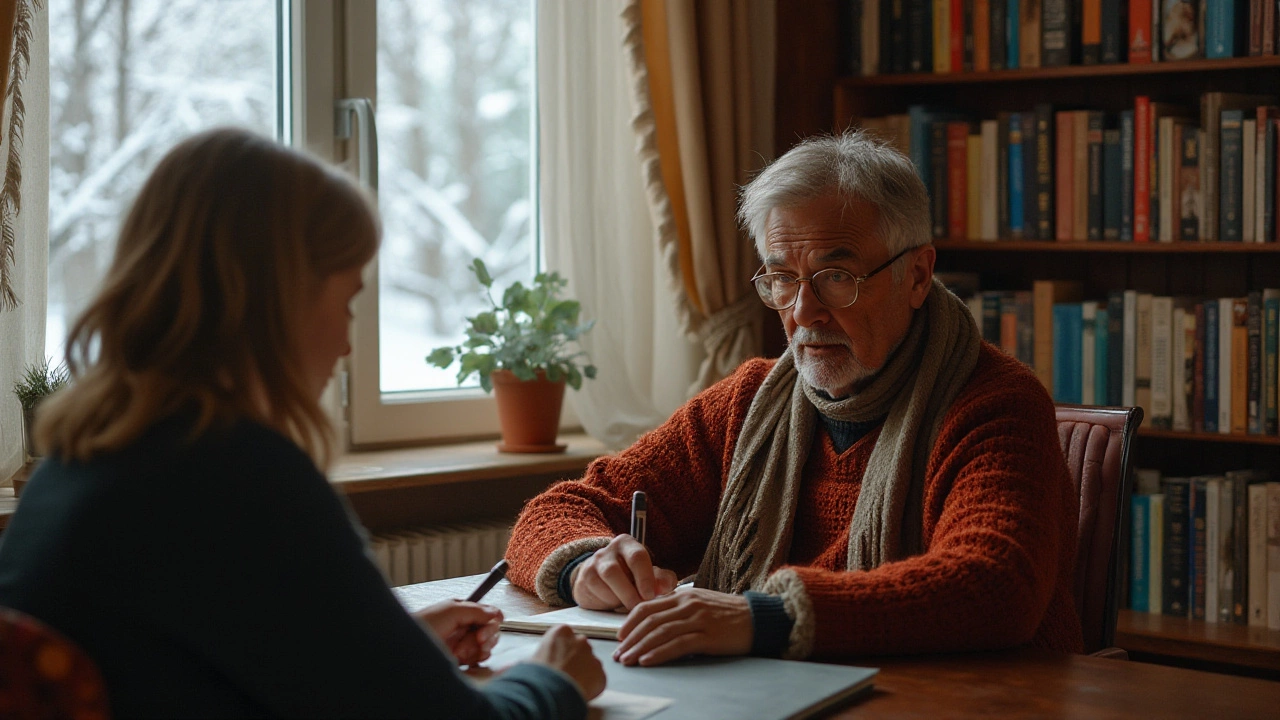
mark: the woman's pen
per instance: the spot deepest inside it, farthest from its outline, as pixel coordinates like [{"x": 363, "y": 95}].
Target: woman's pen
[
  {"x": 489, "y": 581},
  {"x": 639, "y": 514}
]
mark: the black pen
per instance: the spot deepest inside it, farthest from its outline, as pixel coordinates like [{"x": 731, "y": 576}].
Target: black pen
[
  {"x": 639, "y": 514},
  {"x": 489, "y": 581}
]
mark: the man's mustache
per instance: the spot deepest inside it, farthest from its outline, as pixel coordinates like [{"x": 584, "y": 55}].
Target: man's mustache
[{"x": 819, "y": 336}]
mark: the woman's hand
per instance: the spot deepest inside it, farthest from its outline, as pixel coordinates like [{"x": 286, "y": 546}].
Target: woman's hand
[
  {"x": 683, "y": 623},
  {"x": 469, "y": 630},
  {"x": 619, "y": 574},
  {"x": 571, "y": 654}
]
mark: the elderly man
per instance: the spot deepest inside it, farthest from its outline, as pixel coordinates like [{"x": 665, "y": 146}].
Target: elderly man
[{"x": 891, "y": 484}]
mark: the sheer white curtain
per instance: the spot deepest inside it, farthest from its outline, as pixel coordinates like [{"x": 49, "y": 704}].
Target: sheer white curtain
[
  {"x": 22, "y": 329},
  {"x": 596, "y": 225}
]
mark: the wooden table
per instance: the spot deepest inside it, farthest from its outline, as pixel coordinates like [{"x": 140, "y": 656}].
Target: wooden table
[{"x": 1013, "y": 683}]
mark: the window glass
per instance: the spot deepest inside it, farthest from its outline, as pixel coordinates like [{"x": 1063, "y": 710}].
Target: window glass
[
  {"x": 455, "y": 160},
  {"x": 129, "y": 79}
]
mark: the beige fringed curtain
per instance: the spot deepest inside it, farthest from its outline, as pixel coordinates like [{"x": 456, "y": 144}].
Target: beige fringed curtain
[{"x": 703, "y": 94}]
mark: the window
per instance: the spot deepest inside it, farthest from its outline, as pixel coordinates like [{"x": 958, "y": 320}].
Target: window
[
  {"x": 452, "y": 84},
  {"x": 128, "y": 79}
]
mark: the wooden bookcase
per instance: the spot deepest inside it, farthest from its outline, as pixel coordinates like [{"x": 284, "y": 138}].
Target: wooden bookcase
[{"x": 1182, "y": 268}]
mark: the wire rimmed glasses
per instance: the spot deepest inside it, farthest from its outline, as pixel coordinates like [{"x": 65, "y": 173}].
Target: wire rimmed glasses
[{"x": 834, "y": 287}]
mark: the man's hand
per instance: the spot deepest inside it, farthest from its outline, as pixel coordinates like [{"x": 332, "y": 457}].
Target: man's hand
[
  {"x": 469, "y": 630},
  {"x": 690, "y": 621},
  {"x": 619, "y": 575}
]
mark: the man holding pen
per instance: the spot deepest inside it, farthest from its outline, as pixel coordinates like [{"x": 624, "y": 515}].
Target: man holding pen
[{"x": 891, "y": 484}]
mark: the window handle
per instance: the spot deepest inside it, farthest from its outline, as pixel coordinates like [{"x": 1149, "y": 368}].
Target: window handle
[{"x": 366, "y": 139}]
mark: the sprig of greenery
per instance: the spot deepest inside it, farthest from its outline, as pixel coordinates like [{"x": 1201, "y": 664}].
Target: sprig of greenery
[
  {"x": 532, "y": 329},
  {"x": 39, "y": 381}
]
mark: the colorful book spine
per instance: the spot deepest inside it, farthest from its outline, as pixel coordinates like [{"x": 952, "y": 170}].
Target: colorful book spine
[
  {"x": 1141, "y": 169},
  {"x": 1139, "y": 31},
  {"x": 1114, "y": 41},
  {"x": 1210, "y": 355},
  {"x": 997, "y": 53},
  {"x": 1197, "y": 543},
  {"x": 1231, "y": 200},
  {"x": 1155, "y": 560},
  {"x": 1253, "y": 329},
  {"x": 941, "y": 36},
  {"x": 1187, "y": 189},
  {"x": 1198, "y": 412},
  {"x": 1045, "y": 134},
  {"x": 1055, "y": 49},
  {"x": 1223, "y": 35},
  {"x": 1239, "y": 366},
  {"x": 1068, "y": 325},
  {"x": 1030, "y": 36},
  {"x": 1002, "y": 214},
  {"x": 1064, "y": 169},
  {"x": 1112, "y": 188},
  {"x": 1125, "y": 190},
  {"x": 1175, "y": 565},
  {"x": 1270, "y": 346},
  {"x": 1091, "y": 32},
  {"x": 1012, "y": 34},
  {"x": 1094, "y": 149},
  {"x": 1140, "y": 554},
  {"x": 957, "y": 41},
  {"x": 1017, "y": 179}
]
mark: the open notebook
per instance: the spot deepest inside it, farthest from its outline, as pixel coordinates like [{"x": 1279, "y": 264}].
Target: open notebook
[{"x": 602, "y": 624}]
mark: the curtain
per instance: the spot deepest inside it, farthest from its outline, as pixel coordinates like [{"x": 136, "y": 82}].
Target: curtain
[
  {"x": 22, "y": 327},
  {"x": 702, "y": 75},
  {"x": 596, "y": 226}
]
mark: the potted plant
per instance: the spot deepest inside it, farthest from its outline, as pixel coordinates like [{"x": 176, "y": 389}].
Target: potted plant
[
  {"x": 524, "y": 350},
  {"x": 38, "y": 381}
]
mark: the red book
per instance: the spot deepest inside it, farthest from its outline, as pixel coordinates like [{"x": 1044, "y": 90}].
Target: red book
[
  {"x": 1064, "y": 173},
  {"x": 1255, "y": 26},
  {"x": 957, "y": 179},
  {"x": 1140, "y": 39},
  {"x": 1141, "y": 169},
  {"x": 957, "y": 35},
  {"x": 1268, "y": 28}
]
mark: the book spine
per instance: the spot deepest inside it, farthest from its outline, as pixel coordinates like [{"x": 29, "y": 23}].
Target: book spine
[
  {"x": 1031, "y": 189},
  {"x": 1197, "y": 544},
  {"x": 1125, "y": 189},
  {"x": 1139, "y": 31},
  {"x": 1030, "y": 35},
  {"x": 1140, "y": 554},
  {"x": 1225, "y": 346},
  {"x": 1212, "y": 540},
  {"x": 1257, "y": 555},
  {"x": 1268, "y": 180},
  {"x": 1094, "y": 213},
  {"x": 991, "y": 322},
  {"x": 957, "y": 40},
  {"x": 1142, "y": 356},
  {"x": 1002, "y": 175},
  {"x": 1239, "y": 549},
  {"x": 989, "y": 171},
  {"x": 1026, "y": 328},
  {"x": 1268, "y": 27},
  {"x": 974, "y": 200},
  {"x": 1091, "y": 32},
  {"x": 1088, "y": 350},
  {"x": 938, "y": 171},
  {"x": 885, "y": 32},
  {"x": 919, "y": 35},
  {"x": 1112, "y": 188},
  {"x": 1130, "y": 341},
  {"x": 1187, "y": 390},
  {"x": 1255, "y": 27},
  {"x": 1115, "y": 348},
  {"x": 941, "y": 36},
  {"x": 982, "y": 36},
  {"x": 1155, "y": 561},
  {"x": 1114, "y": 41},
  {"x": 1188, "y": 188},
  {"x": 1198, "y": 410},
  {"x": 1178, "y": 370},
  {"x": 899, "y": 47},
  {"x": 996, "y": 20},
  {"x": 1161, "y": 352},
  {"x": 1068, "y": 325},
  {"x": 1270, "y": 346},
  {"x": 957, "y": 178},
  {"x": 1011, "y": 31},
  {"x": 1230, "y": 177},
  {"x": 1101, "y": 356},
  {"x": 1065, "y": 171},
  {"x": 1177, "y": 503},
  {"x": 1017, "y": 180},
  {"x": 1248, "y": 178},
  {"x": 1273, "y": 556},
  {"x": 1221, "y": 33},
  {"x": 1211, "y": 117},
  {"x": 1254, "y": 353},
  {"x": 1045, "y": 137},
  {"x": 1009, "y": 324},
  {"x": 1239, "y": 366},
  {"x": 1141, "y": 169},
  {"x": 1055, "y": 48},
  {"x": 1210, "y": 356}
]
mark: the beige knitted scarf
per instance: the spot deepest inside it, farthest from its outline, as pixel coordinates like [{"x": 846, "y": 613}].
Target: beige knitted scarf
[{"x": 913, "y": 391}]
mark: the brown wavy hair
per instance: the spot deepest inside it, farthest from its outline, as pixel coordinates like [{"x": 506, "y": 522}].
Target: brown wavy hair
[{"x": 224, "y": 249}]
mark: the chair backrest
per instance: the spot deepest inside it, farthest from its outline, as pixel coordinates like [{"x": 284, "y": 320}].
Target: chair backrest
[
  {"x": 1098, "y": 442},
  {"x": 45, "y": 675}
]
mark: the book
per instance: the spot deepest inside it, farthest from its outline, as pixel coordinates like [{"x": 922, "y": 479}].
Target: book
[
  {"x": 1239, "y": 482},
  {"x": 942, "y": 36},
  {"x": 1253, "y": 353},
  {"x": 989, "y": 186},
  {"x": 1139, "y": 31},
  {"x": 1273, "y": 555},
  {"x": 1198, "y": 411},
  {"x": 1030, "y": 186},
  {"x": 985, "y": 41},
  {"x": 1248, "y": 178},
  {"x": 1140, "y": 553},
  {"x": 1177, "y": 508},
  {"x": 1209, "y": 358},
  {"x": 1213, "y": 532},
  {"x": 1257, "y": 555},
  {"x": 1000, "y": 201},
  {"x": 1115, "y": 348},
  {"x": 1223, "y": 29},
  {"x": 1155, "y": 560},
  {"x": 1161, "y": 362},
  {"x": 1211, "y": 106},
  {"x": 1180, "y": 30},
  {"x": 1046, "y": 135},
  {"x": 1029, "y": 33},
  {"x": 1142, "y": 363},
  {"x": 957, "y": 178},
  {"x": 1226, "y": 347},
  {"x": 1017, "y": 182},
  {"x": 603, "y": 624},
  {"x": 1009, "y": 27},
  {"x": 973, "y": 200},
  {"x": 1101, "y": 373},
  {"x": 1270, "y": 346},
  {"x": 1080, "y": 172},
  {"x": 1067, "y": 353},
  {"x": 1115, "y": 14},
  {"x": 1141, "y": 169},
  {"x": 1112, "y": 189},
  {"x": 1026, "y": 327},
  {"x": 1187, "y": 193},
  {"x": 1064, "y": 171},
  {"x": 1091, "y": 32},
  {"x": 919, "y": 23},
  {"x": 1239, "y": 365},
  {"x": 1169, "y": 168},
  {"x": 1198, "y": 545},
  {"x": 1045, "y": 295},
  {"x": 1088, "y": 352},
  {"x": 1129, "y": 340},
  {"x": 1093, "y": 181},
  {"x": 1125, "y": 189},
  {"x": 1231, "y": 171},
  {"x": 1056, "y": 35},
  {"x": 939, "y": 172}
]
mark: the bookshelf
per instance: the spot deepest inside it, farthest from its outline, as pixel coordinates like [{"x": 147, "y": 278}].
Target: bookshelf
[{"x": 1184, "y": 268}]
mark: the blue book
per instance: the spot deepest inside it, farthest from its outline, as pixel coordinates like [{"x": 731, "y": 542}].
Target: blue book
[
  {"x": 1224, "y": 22},
  {"x": 1210, "y": 331},
  {"x": 1176, "y": 556},
  {"x": 1140, "y": 553},
  {"x": 1197, "y": 544},
  {"x": 1017, "y": 181},
  {"x": 1068, "y": 363},
  {"x": 1126, "y": 176},
  {"x": 1111, "y": 184},
  {"x": 1100, "y": 356},
  {"x": 1012, "y": 26},
  {"x": 921, "y": 118}
]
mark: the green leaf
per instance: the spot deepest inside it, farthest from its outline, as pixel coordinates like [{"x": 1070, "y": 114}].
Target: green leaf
[
  {"x": 486, "y": 382},
  {"x": 482, "y": 272},
  {"x": 524, "y": 372},
  {"x": 441, "y": 357},
  {"x": 485, "y": 323},
  {"x": 555, "y": 373},
  {"x": 589, "y": 371},
  {"x": 575, "y": 378}
]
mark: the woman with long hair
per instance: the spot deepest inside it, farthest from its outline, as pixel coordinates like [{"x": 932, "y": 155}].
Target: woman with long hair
[{"x": 181, "y": 529}]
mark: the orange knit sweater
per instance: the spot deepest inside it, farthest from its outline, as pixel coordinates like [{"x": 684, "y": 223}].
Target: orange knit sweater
[{"x": 999, "y": 519}]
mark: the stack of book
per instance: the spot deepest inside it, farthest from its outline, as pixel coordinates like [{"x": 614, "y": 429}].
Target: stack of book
[
  {"x": 946, "y": 36},
  {"x": 1207, "y": 547},
  {"x": 1159, "y": 172}
]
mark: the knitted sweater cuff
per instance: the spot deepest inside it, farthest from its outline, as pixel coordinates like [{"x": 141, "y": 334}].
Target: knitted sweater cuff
[
  {"x": 771, "y": 624},
  {"x": 786, "y": 583},
  {"x": 565, "y": 586},
  {"x": 547, "y": 581}
]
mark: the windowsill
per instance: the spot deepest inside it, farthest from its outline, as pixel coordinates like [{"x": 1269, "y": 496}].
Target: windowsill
[
  {"x": 370, "y": 471},
  {"x": 373, "y": 471}
]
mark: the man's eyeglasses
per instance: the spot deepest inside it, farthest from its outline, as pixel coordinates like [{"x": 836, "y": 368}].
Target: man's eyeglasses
[{"x": 834, "y": 287}]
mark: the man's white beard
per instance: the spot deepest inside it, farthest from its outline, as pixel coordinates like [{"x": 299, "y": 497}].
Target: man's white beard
[{"x": 835, "y": 377}]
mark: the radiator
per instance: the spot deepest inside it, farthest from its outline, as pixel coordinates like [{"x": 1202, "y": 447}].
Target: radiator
[{"x": 439, "y": 551}]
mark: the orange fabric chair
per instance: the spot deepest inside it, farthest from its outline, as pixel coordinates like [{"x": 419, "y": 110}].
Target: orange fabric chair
[
  {"x": 1098, "y": 445},
  {"x": 43, "y": 675}
]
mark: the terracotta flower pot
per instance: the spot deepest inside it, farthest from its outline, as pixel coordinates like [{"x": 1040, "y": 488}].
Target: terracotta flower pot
[{"x": 529, "y": 412}]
